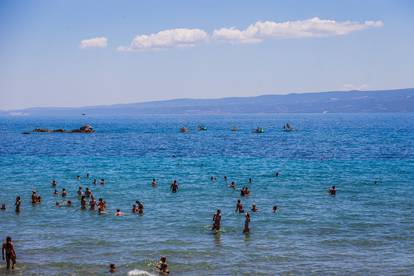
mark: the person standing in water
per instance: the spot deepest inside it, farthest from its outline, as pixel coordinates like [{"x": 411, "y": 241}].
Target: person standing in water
[
  {"x": 216, "y": 220},
  {"x": 246, "y": 223},
  {"x": 17, "y": 204},
  {"x": 162, "y": 266},
  {"x": 8, "y": 253},
  {"x": 239, "y": 207},
  {"x": 174, "y": 186},
  {"x": 332, "y": 191}
]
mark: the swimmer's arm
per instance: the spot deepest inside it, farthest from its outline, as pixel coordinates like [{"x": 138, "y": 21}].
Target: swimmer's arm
[{"x": 3, "y": 248}]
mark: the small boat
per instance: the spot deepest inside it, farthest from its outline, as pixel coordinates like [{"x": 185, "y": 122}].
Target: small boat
[
  {"x": 287, "y": 127},
  {"x": 202, "y": 128},
  {"x": 234, "y": 129},
  {"x": 259, "y": 130},
  {"x": 183, "y": 130}
]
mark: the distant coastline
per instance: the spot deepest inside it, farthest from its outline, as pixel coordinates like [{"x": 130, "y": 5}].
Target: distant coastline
[{"x": 378, "y": 101}]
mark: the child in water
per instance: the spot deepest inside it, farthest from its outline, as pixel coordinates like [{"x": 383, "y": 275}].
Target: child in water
[
  {"x": 8, "y": 253},
  {"x": 162, "y": 265}
]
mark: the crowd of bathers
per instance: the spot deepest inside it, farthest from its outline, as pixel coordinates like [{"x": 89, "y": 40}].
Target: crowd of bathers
[{"x": 87, "y": 201}]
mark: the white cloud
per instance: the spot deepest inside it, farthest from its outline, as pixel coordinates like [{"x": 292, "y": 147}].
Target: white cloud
[
  {"x": 166, "y": 39},
  {"x": 314, "y": 27},
  {"x": 96, "y": 42}
]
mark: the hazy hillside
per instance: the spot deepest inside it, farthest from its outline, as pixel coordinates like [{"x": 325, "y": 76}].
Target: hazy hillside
[{"x": 401, "y": 100}]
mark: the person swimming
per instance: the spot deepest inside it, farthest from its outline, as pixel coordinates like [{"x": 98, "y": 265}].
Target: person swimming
[
  {"x": 3, "y": 207},
  {"x": 68, "y": 203},
  {"x": 8, "y": 253},
  {"x": 274, "y": 209},
  {"x": 332, "y": 191},
  {"x": 225, "y": 178},
  {"x": 232, "y": 185},
  {"x": 87, "y": 175},
  {"x": 216, "y": 220},
  {"x": 174, "y": 186},
  {"x": 17, "y": 204},
  {"x": 154, "y": 183},
  {"x": 244, "y": 191},
  {"x": 239, "y": 207},
  {"x": 277, "y": 173},
  {"x": 254, "y": 208},
  {"x": 134, "y": 209},
  {"x": 118, "y": 213},
  {"x": 55, "y": 192},
  {"x": 64, "y": 192},
  {"x": 54, "y": 183},
  {"x": 78, "y": 177},
  {"x": 246, "y": 223},
  {"x": 94, "y": 181},
  {"x": 162, "y": 265}
]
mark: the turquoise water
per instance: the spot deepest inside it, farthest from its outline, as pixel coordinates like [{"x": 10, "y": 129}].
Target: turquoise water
[{"x": 368, "y": 228}]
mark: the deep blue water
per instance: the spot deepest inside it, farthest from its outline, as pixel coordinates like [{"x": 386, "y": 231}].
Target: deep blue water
[{"x": 368, "y": 228}]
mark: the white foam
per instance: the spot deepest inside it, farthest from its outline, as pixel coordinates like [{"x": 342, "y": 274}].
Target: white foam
[{"x": 137, "y": 272}]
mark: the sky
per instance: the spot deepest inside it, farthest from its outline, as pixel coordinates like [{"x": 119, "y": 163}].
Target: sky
[{"x": 96, "y": 52}]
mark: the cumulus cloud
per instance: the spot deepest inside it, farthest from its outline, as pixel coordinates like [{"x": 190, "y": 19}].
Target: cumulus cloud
[
  {"x": 172, "y": 38},
  {"x": 96, "y": 42},
  {"x": 314, "y": 27}
]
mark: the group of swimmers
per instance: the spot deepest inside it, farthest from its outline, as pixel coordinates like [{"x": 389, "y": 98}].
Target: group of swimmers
[{"x": 138, "y": 208}]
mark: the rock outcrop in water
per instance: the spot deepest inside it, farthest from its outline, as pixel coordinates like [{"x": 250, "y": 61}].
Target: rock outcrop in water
[{"x": 82, "y": 129}]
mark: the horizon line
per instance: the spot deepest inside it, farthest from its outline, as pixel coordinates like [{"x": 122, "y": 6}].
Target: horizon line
[{"x": 221, "y": 98}]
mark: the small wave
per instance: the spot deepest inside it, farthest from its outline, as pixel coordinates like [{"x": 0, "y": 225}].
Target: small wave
[{"x": 137, "y": 272}]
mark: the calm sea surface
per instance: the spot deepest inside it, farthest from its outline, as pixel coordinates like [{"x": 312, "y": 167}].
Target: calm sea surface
[{"x": 367, "y": 229}]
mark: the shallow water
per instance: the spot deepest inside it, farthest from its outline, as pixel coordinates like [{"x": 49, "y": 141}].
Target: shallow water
[{"x": 368, "y": 228}]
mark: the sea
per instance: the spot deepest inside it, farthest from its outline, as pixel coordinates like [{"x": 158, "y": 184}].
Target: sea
[{"x": 366, "y": 229}]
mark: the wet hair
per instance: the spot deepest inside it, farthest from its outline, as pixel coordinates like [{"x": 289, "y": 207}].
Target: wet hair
[
  {"x": 8, "y": 238},
  {"x": 118, "y": 210}
]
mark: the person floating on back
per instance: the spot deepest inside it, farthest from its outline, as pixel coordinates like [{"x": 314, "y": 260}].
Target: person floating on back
[
  {"x": 8, "y": 253},
  {"x": 332, "y": 191},
  {"x": 216, "y": 220}
]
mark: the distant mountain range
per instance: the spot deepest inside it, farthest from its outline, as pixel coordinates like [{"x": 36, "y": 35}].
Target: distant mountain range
[{"x": 399, "y": 101}]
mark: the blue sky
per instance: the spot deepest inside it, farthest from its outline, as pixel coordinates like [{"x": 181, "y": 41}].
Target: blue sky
[{"x": 205, "y": 49}]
